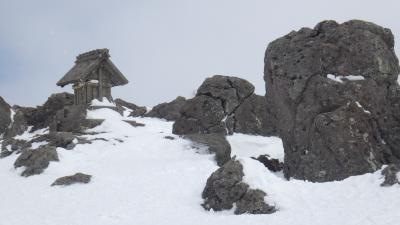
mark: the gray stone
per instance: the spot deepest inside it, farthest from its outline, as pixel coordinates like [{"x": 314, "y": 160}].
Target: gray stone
[
  {"x": 73, "y": 179},
  {"x": 20, "y": 123},
  {"x": 391, "y": 175},
  {"x": 231, "y": 91},
  {"x": 272, "y": 164},
  {"x": 216, "y": 143},
  {"x": 5, "y": 115},
  {"x": 253, "y": 117},
  {"x": 35, "y": 161},
  {"x": 134, "y": 123},
  {"x": 10, "y": 145},
  {"x": 73, "y": 119},
  {"x": 169, "y": 110},
  {"x": 253, "y": 202},
  {"x": 136, "y": 110},
  {"x": 57, "y": 139},
  {"x": 202, "y": 114},
  {"x": 332, "y": 130},
  {"x": 225, "y": 187}
]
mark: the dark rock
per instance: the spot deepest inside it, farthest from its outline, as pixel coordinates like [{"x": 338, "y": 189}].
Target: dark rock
[
  {"x": 73, "y": 179},
  {"x": 225, "y": 187},
  {"x": 231, "y": 91},
  {"x": 35, "y": 161},
  {"x": 58, "y": 139},
  {"x": 169, "y": 137},
  {"x": 225, "y": 105},
  {"x": 202, "y": 114},
  {"x": 136, "y": 110},
  {"x": 169, "y": 110},
  {"x": 272, "y": 164},
  {"x": 42, "y": 116},
  {"x": 216, "y": 143},
  {"x": 332, "y": 130},
  {"x": 253, "y": 202},
  {"x": 5, "y": 115},
  {"x": 391, "y": 174},
  {"x": 20, "y": 123},
  {"x": 73, "y": 119},
  {"x": 134, "y": 123},
  {"x": 253, "y": 117},
  {"x": 10, "y": 145}
]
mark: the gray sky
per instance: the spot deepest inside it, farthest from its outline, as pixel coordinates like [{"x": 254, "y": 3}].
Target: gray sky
[{"x": 164, "y": 48}]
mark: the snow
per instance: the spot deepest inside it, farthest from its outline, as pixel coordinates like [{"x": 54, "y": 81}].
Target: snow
[
  {"x": 36, "y": 145},
  {"x": 349, "y": 77},
  {"x": 148, "y": 180},
  {"x": 398, "y": 79},
  {"x": 103, "y": 102},
  {"x": 360, "y": 106}
]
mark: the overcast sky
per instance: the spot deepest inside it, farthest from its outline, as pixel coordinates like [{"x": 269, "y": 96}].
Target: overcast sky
[{"x": 164, "y": 48}]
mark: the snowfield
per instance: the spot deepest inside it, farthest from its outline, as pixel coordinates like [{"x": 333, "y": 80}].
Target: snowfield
[{"x": 139, "y": 177}]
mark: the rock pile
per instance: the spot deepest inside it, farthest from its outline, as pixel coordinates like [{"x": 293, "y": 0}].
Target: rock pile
[
  {"x": 170, "y": 111},
  {"x": 333, "y": 95}
]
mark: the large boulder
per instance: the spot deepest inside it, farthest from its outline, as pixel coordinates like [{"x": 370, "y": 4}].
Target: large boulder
[
  {"x": 225, "y": 188},
  {"x": 213, "y": 107},
  {"x": 20, "y": 121},
  {"x": 5, "y": 115},
  {"x": 333, "y": 95},
  {"x": 215, "y": 143},
  {"x": 170, "y": 111},
  {"x": 35, "y": 161},
  {"x": 136, "y": 110},
  {"x": 202, "y": 114}
]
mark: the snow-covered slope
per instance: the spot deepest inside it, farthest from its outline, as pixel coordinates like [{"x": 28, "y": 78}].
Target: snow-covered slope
[{"x": 139, "y": 177}]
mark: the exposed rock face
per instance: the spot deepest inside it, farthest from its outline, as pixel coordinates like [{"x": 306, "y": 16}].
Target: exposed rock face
[
  {"x": 202, "y": 114},
  {"x": 73, "y": 179},
  {"x": 10, "y": 145},
  {"x": 334, "y": 128},
  {"x": 5, "y": 115},
  {"x": 213, "y": 110},
  {"x": 216, "y": 143},
  {"x": 169, "y": 111},
  {"x": 42, "y": 116},
  {"x": 35, "y": 161},
  {"x": 72, "y": 119},
  {"x": 20, "y": 123},
  {"x": 225, "y": 187},
  {"x": 58, "y": 139},
  {"x": 253, "y": 117},
  {"x": 391, "y": 174},
  {"x": 136, "y": 110}
]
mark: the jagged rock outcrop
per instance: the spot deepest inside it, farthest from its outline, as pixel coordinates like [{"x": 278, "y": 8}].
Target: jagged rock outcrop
[
  {"x": 73, "y": 179},
  {"x": 35, "y": 161},
  {"x": 216, "y": 143},
  {"x": 168, "y": 110},
  {"x": 136, "y": 110},
  {"x": 225, "y": 188},
  {"x": 391, "y": 175},
  {"x": 333, "y": 96},
  {"x": 5, "y": 115},
  {"x": 223, "y": 105}
]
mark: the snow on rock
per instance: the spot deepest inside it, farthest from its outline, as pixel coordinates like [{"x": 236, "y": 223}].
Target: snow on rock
[
  {"x": 360, "y": 106},
  {"x": 103, "y": 102},
  {"x": 147, "y": 180},
  {"x": 348, "y": 77},
  {"x": 28, "y": 135},
  {"x": 398, "y": 79}
]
